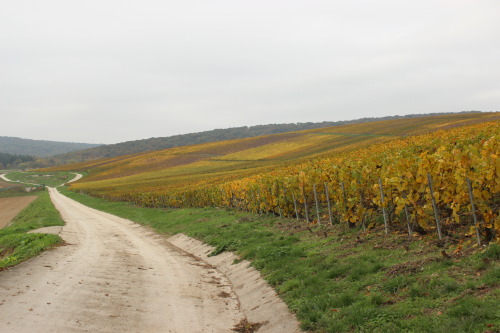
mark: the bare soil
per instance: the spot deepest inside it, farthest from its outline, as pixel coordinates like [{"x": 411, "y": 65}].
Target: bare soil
[
  {"x": 116, "y": 276},
  {"x": 10, "y": 207},
  {"x": 4, "y": 184}
]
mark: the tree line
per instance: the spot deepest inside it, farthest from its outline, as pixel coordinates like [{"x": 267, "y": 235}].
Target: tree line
[{"x": 14, "y": 161}]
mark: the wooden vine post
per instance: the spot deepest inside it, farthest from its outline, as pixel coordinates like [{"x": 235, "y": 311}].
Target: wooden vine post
[
  {"x": 257, "y": 198},
  {"x": 473, "y": 209},
  {"x": 305, "y": 203},
  {"x": 382, "y": 200},
  {"x": 361, "y": 200},
  {"x": 408, "y": 221},
  {"x": 435, "y": 207},
  {"x": 407, "y": 214},
  {"x": 328, "y": 202},
  {"x": 344, "y": 200},
  {"x": 295, "y": 206},
  {"x": 251, "y": 204},
  {"x": 344, "y": 196},
  {"x": 278, "y": 199},
  {"x": 317, "y": 204}
]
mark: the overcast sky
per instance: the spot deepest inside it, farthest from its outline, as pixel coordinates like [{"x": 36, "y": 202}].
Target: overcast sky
[{"x": 107, "y": 71}]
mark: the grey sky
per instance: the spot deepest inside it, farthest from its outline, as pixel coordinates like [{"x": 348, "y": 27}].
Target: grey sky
[{"x": 115, "y": 70}]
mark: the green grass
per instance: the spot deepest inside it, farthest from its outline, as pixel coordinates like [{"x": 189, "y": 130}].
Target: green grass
[
  {"x": 16, "y": 245},
  {"x": 52, "y": 179},
  {"x": 343, "y": 282}
]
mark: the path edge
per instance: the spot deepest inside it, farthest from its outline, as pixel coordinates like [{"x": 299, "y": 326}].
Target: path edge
[{"x": 258, "y": 300}]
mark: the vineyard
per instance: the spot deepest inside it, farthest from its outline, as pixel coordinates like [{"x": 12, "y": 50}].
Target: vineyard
[{"x": 430, "y": 183}]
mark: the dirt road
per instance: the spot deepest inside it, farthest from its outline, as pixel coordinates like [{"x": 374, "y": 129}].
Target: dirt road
[
  {"x": 114, "y": 276},
  {"x": 77, "y": 177}
]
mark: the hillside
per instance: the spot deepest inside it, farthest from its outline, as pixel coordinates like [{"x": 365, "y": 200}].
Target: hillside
[
  {"x": 185, "y": 168},
  {"x": 39, "y": 148},
  {"x": 152, "y": 144}
]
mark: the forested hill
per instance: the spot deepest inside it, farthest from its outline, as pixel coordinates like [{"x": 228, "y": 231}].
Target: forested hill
[
  {"x": 139, "y": 146},
  {"x": 39, "y": 148},
  {"x": 14, "y": 161}
]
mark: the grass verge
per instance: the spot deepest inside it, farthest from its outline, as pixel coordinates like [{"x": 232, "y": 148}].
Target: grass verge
[
  {"x": 16, "y": 245},
  {"x": 339, "y": 280}
]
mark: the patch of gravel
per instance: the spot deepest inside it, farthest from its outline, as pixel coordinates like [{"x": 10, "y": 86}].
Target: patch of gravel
[{"x": 55, "y": 230}]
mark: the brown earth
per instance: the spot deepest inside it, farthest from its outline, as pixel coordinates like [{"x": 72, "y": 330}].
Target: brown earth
[
  {"x": 4, "y": 184},
  {"x": 116, "y": 276},
  {"x": 10, "y": 207}
]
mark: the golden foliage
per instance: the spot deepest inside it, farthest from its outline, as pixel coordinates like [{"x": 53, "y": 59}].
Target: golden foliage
[{"x": 248, "y": 176}]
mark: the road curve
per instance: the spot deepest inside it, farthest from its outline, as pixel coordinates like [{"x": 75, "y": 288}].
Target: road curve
[
  {"x": 2, "y": 176},
  {"x": 77, "y": 177},
  {"x": 114, "y": 276}
]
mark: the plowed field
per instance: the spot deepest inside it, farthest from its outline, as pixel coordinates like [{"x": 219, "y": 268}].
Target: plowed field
[{"x": 10, "y": 207}]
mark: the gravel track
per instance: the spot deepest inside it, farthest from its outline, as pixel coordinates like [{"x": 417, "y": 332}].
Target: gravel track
[{"x": 114, "y": 276}]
